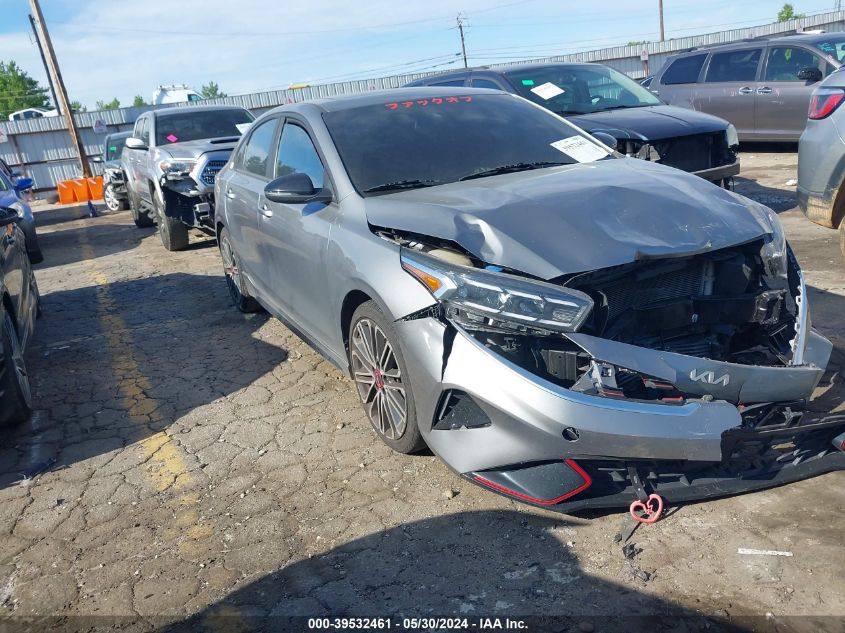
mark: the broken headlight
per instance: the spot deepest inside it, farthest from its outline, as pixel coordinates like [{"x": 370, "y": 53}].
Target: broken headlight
[
  {"x": 773, "y": 251},
  {"x": 475, "y": 296},
  {"x": 175, "y": 168},
  {"x": 731, "y": 135}
]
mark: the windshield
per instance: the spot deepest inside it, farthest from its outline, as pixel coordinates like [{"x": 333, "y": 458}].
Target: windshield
[
  {"x": 580, "y": 89},
  {"x": 833, "y": 47},
  {"x": 441, "y": 139},
  {"x": 193, "y": 125},
  {"x": 114, "y": 147}
]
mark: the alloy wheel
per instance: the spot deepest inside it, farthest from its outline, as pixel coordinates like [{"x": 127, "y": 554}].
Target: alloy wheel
[
  {"x": 111, "y": 200},
  {"x": 230, "y": 267},
  {"x": 18, "y": 364},
  {"x": 378, "y": 379}
]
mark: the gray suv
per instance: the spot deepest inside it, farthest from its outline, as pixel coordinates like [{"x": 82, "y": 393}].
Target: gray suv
[
  {"x": 762, "y": 86},
  {"x": 821, "y": 157}
]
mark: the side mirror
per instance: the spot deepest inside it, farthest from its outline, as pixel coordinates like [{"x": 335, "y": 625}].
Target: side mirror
[
  {"x": 811, "y": 74},
  {"x": 606, "y": 138},
  {"x": 295, "y": 188},
  {"x": 135, "y": 143},
  {"x": 96, "y": 159},
  {"x": 8, "y": 216},
  {"x": 22, "y": 184}
]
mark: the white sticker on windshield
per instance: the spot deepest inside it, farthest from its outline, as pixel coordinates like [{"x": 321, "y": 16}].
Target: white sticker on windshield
[
  {"x": 547, "y": 90},
  {"x": 580, "y": 149}
]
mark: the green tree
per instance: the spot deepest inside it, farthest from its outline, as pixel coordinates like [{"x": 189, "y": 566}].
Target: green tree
[
  {"x": 211, "y": 91},
  {"x": 18, "y": 90},
  {"x": 788, "y": 13},
  {"x": 75, "y": 106},
  {"x": 114, "y": 104},
  {"x": 138, "y": 101}
]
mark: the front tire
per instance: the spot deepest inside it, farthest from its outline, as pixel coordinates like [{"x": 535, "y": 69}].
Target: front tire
[
  {"x": 234, "y": 277},
  {"x": 15, "y": 394},
  {"x": 171, "y": 231},
  {"x": 381, "y": 379},
  {"x": 842, "y": 237},
  {"x": 142, "y": 219}
]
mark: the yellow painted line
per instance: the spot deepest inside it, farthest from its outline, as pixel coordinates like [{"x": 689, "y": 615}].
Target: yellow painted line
[{"x": 166, "y": 468}]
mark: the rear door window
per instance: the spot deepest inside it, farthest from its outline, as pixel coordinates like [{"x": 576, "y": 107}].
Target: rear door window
[
  {"x": 480, "y": 82},
  {"x": 783, "y": 63},
  {"x": 451, "y": 82},
  {"x": 739, "y": 65},
  {"x": 684, "y": 70},
  {"x": 253, "y": 157}
]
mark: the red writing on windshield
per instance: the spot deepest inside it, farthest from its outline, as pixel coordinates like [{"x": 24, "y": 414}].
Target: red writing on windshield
[{"x": 396, "y": 105}]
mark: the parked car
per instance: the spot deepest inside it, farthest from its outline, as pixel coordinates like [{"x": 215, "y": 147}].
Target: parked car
[
  {"x": 32, "y": 113},
  {"x": 558, "y": 323},
  {"x": 821, "y": 157},
  {"x": 114, "y": 192},
  {"x": 12, "y": 191},
  {"x": 175, "y": 93},
  {"x": 601, "y": 100},
  {"x": 19, "y": 303},
  {"x": 762, "y": 86},
  {"x": 170, "y": 163}
]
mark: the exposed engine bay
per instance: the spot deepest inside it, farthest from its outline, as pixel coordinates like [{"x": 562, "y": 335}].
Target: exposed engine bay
[{"x": 720, "y": 305}]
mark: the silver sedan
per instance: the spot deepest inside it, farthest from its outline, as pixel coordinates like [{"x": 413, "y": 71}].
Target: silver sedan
[{"x": 560, "y": 324}]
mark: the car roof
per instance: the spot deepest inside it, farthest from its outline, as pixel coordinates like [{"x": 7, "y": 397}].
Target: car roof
[
  {"x": 795, "y": 38},
  {"x": 501, "y": 70},
  {"x": 375, "y": 97},
  {"x": 201, "y": 108}
]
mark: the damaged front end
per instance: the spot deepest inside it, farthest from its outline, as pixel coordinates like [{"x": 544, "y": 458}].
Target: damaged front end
[
  {"x": 685, "y": 374},
  {"x": 187, "y": 186}
]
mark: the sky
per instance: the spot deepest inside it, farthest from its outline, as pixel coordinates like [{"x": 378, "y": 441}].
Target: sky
[{"x": 120, "y": 48}]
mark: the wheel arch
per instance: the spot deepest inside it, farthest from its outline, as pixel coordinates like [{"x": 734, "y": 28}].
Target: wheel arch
[{"x": 351, "y": 302}]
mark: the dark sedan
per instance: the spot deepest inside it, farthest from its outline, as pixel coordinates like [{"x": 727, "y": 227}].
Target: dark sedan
[
  {"x": 18, "y": 309},
  {"x": 599, "y": 99}
]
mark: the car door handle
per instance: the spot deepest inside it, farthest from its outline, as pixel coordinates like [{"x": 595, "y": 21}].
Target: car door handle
[
  {"x": 765, "y": 90},
  {"x": 745, "y": 90},
  {"x": 230, "y": 194},
  {"x": 266, "y": 211}
]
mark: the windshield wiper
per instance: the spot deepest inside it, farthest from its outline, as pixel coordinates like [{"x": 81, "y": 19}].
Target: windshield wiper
[
  {"x": 506, "y": 169},
  {"x": 403, "y": 184}
]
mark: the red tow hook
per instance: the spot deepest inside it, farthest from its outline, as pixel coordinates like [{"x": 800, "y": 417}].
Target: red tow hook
[{"x": 648, "y": 511}]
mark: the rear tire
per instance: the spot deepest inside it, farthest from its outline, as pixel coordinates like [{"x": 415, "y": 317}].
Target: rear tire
[
  {"x": 234, "y": 277},
  {"x": 381, "y": 379},
  {"x": 15, "y": 394},
  {"x": 842, "y": 237},
  {"x": 142, "y": 219},
  {"x": 173, "y": 234}
]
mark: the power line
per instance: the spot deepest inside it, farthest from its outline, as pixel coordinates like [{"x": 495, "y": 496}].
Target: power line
[{"x": 463, "y": 45}]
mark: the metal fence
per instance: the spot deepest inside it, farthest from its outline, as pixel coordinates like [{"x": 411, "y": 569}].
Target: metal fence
[{"x": 42, "y": 150}]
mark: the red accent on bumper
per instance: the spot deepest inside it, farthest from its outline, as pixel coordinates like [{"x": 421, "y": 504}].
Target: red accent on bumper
[{"x": 546, "y": 502}]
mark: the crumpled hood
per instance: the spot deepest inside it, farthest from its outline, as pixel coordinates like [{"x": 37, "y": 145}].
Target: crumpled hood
[
  {"x": 562, "y": 220},
  {"x": 195, "y": 149},
  {"x": 649, "y": 123}
]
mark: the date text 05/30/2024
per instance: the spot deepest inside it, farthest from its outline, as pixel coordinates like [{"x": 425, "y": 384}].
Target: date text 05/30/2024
[{"x": 432, "y": 623}]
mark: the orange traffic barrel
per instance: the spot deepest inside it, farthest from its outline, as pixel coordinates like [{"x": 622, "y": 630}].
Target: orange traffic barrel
[
  {"x": 65, "y": 192},
  {"x": 80, "y": 189},
  {"x": 95, "y": 187}
]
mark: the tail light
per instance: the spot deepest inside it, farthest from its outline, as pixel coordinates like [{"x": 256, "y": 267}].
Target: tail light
[{"x": 824, "y": 101}]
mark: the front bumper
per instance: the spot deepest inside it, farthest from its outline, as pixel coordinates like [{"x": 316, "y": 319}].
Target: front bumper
[
  {"x": 517, "y": 433},
  {"x": 717, "y": 174}
]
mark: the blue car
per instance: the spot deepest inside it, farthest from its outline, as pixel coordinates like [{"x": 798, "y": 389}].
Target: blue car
[{"x": 11, "y": 190}]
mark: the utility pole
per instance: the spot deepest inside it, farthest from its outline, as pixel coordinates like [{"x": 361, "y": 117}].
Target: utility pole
[
  {"x": 660, "y": 6},
  {"x": 63, "y": 103},
  {"x": 44, "y": 61},
  {"x": 463, "y": 46}
]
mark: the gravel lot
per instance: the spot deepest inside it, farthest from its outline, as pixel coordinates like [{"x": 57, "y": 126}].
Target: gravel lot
[{"x": 187, "y": 460}]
